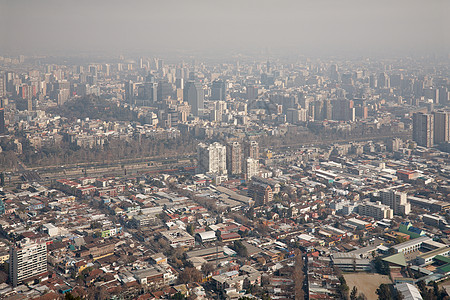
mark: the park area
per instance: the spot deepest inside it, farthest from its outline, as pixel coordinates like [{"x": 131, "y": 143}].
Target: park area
[{"x": 366, "y": 283}]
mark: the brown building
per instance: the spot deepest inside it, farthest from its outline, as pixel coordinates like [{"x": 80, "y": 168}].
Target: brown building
[{"x": 261, "y": 193}]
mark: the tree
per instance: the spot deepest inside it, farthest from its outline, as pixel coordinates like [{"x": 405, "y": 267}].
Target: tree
[
  {"x": 381, "y": 266},
  {"x": 342, "y": 288},
  {"x": 189, "y": 275},
  {"x": 354, "y": 293},
  {"x": 384, "y": 292},
  {"x": 361, "y": 296},
  {"x": 178, "y": 296},
  {"x": 240, "y": 248},
  {"x": 208, "y": 268},
  {"x": 190, "y": 228},
  {"x": 69, "y": 296}
]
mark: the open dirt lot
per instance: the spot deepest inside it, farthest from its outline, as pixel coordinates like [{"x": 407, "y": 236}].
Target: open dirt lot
[{"x": 366, "y": 283}]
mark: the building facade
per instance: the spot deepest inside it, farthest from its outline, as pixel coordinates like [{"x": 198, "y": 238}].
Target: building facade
[
  {"x": 193, "y": 94},
  {"x": 234, "y": 158},
  {"x": 423, "y": 129},
  {"x": 441, "y": 127},
  {"x": 27, "y": 259},
  {"x": 397, "y": 201},
  {"x": 212, "y": 158}
]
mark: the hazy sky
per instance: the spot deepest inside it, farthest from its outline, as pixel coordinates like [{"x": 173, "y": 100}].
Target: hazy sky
[{"x": 313, "y": 26}]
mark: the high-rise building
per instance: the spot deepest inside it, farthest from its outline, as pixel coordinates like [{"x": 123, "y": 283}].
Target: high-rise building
[
  {"x": 394, "y": 144},
  {"x": 218, "y": 90},
  {"x": 165, "y": 90},
  {"x": 373, "y": 82},
  {"x": 159, "y": 64},
  {"x": 423, "y": 129},
  {"x": 375, "y": 210},
  {"x": 151, "y": 91},
  {"x": 251, "y": 168},
  {"x": 441, "y": 126},
  {"x": 383, "y": 81},
  {"x": 343, "y": 110},
  {"x": 252, "y": 92},
  {"x": 2, "y": 121},
  {"x": 107, "y": 70},
  {"x": 129, "y": 92},
  {"x": 212, "y": 158},
  {"x": 2, "y": 85},
  {"x": 334, "y": 75},
  {"x": 193, "y": 94},
  {"x": 397, "y": 201},
  {"x": 27, "y": 259},
  {"x": 251, "y": 149},
  {"x": 444, "y": 96},
  {"x": 261, "y": 193},
  {"x": 234, "y": 158}
]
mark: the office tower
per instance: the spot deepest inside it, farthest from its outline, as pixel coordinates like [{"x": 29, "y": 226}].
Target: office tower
[
  {"x": 431, "y": 93},
  {"x": 252, "y": 92},
  {"x": 27, "y": 259},
  {"x": 347, "y": 78},
  {"x": 9, "y": 81},
  {"x": 423, "y": 129},
  {"x": 303, "y": 100},
  {"x": 343, "y": 110},
  {"x": 62, "y": 96},
  {"x": 193, "y": 94},
  {"x": 107, "y": 70},
  {"x": 165, "y": 90},
  {"x": 362, "y": 112},
  {"x": 327, "y": 110},
  {"x": 334, "y": 75},
  {"x": 397, "y": 201},
  {"x": 150, "y": 92},
  {"x": 2, "y": 85},
  {"x": 294, "y": 115},
  {"x": 383, "y": 81},
  {"x": 212, "y": 158},
  {"x": 443, "y": 96},
  {"x": 129, "y": 92},
  {"x": 218, "y": 90},
  {"x": 251, "y": 149},
  {"x": 93, "y": 70},
  {"x": 91, "y": 79},
  {"x": 216, "y": 114},
  {"x": 315, "y": 110},
  {"x": 2, "y": 121},
  {"x": 179, "y": 83},
  {"x": 251, "y": 168},
  {"x": 160, "y": 64},
  {"x": 373, "y": 82},
  {"x": 234, "y": 158},
  {"x": 441, "y": 127},
  {"x": 396, "y": 80},
  {"x": 418, "y": 87}
]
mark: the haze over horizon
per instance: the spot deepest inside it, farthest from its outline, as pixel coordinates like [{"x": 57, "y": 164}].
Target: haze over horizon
[{"x": 324, "y": 27}]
